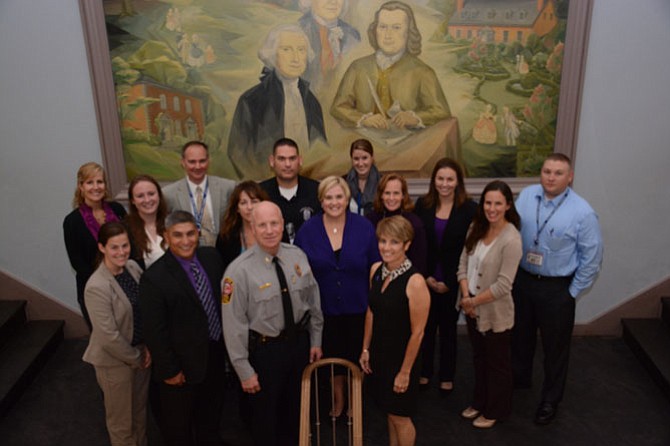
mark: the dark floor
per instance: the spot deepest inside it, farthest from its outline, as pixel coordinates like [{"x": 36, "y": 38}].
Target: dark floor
[{"x": 610, "y": 400}]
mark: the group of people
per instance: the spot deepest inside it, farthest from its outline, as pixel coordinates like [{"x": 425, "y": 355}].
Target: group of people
[{"x": 267, "y": 277}]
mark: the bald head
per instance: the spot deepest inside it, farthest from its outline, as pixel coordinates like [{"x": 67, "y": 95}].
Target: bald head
[{"x": 267, "y": 224}]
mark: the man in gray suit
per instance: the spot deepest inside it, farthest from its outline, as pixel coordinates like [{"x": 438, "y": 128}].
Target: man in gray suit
[{"x": 205, "y": 196}]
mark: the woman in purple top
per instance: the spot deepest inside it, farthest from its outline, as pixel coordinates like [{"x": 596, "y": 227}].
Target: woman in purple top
[
  {"x": 341, "y": 247},
  {"x": 446, "y": 213},
  {"x": 393, "y": 198},
  {"x": 81, "y": 226}
]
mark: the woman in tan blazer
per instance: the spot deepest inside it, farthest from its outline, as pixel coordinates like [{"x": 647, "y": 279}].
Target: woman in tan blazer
[
  {"x": 115, "y": 347},
  {"x": 486, "y": 272}
]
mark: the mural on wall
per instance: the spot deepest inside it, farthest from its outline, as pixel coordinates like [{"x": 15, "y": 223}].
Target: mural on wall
[{"x": 477, "y": 80}]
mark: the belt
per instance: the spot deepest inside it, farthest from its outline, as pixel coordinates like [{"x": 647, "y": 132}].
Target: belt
[
  {"x": 542, "y": 278},
  {"x": 264, "y": 339}
]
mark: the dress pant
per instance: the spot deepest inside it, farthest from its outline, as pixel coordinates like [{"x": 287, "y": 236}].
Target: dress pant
[
  {"x": 545, "y": 304},
  {"x": 443, "y": 315},
  {"x": 275, "y": 410},
  {"x": 493, "y": 371},
  {"x": 125, "y": 392},
  {"x": 190, "y": 415}
]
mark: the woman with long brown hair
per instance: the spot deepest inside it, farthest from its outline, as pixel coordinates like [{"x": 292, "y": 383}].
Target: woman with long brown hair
[
  {"x": 486, "y": 271},
  {"x": 446, "y": 212},
  {"x": 235, "y": 235},
  {"x": 146, "y": 219}
]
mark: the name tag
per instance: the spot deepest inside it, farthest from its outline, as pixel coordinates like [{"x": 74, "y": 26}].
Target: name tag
[{"x": 534, "y": 258}]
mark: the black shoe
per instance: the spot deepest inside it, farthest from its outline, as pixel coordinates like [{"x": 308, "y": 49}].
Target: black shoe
[
  {"x": 545, "y": 413},
  {"x": 424, "y": 386}
]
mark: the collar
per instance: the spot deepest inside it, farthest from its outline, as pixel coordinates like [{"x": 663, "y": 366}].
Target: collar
[
  {"x": 384, "y": 61},
  {"x": 192, "y": 185},
  {"x": 321, "y": 21},
  {"x": 404, "y": 266}
]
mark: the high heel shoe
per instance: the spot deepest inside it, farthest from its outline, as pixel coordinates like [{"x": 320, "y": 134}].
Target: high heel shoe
[
  {"x": 424, "y": 383},
  {"x": 483, "y": 423},
  {"x": 470, "y": 413}
]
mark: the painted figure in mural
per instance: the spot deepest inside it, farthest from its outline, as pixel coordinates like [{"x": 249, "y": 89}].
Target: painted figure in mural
[
  {"x": 329, "y": 36},
  {"x": 511, "y": 125},
  {"x": 392, "y": 86},
  {"x": 484, "y": 131},
  {"x": 281, "y": 105}
]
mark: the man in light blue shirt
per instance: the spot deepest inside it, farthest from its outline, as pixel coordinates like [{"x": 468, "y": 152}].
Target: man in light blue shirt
[{"x": 562, "y": 253}]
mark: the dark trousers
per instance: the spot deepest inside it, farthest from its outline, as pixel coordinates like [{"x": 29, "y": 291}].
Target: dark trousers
[
  {"x": 544, "y": 304},
  {"x": 443, "y": 315},
  {"x": 493, "y": 371},
  {"x": 275, "y": 410},
  {"x": 190, "y": 415}
]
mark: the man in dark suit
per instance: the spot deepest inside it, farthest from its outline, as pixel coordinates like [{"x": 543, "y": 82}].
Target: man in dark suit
[
  {"x": 179, "y": 300},
  {"x": 281, "y": 105}
]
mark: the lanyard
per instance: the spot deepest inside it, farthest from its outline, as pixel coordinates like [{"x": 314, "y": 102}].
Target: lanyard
[
  {"x": 198, "y": 213},
  {"x": 537, "y": 217}
]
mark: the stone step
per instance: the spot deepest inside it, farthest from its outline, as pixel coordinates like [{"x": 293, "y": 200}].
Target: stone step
[
  {"x": 22, "y": 357},
  {"x": 665, "y": 311},
  {"x": 12, "y": 317},
  {"x": 649, "y": 339}
]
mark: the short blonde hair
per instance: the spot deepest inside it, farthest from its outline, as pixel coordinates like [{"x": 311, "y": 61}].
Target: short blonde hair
[
  {"x": 85, "y": 172},
  {"x": 396, "y": 227},
  {"x": 330, "y": 182}
]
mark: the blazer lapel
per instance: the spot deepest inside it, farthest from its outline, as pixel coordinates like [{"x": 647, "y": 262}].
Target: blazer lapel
[
  {"x": 182, "y": 278},
  {"x": 183, "y": 196},
  {"x": 116, "y": 288}
]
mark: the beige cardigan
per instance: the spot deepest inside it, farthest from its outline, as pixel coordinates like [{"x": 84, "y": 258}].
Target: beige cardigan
[
  {"x": 112, "y": 318},
  {"x": 497, "y": 272}
]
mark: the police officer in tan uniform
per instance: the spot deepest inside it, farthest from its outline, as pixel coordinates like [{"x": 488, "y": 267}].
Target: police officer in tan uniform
[{"x": 272, "y": 326}]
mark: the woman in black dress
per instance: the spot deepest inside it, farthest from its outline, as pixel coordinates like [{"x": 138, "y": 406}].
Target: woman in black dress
[{"x": 398, "y": 308}]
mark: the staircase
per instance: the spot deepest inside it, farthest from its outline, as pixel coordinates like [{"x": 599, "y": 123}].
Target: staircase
[
  {"x": 25, "y": 347},
  {"x": 650, "y": 341}
]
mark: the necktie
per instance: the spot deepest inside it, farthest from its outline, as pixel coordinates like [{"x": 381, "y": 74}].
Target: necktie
[
  {"x": 206, "y": 227},
  {"x": 289, "y": 321},
  {"x": 205, "y": 295}
]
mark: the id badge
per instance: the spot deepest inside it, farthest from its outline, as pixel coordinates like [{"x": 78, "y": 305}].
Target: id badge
[{"x": 534, "y": 258}]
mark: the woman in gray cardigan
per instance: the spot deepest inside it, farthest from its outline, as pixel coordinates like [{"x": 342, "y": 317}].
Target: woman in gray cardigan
[
  {"x": 115, "y": 348},
  {"x": 486, "y": 272}
]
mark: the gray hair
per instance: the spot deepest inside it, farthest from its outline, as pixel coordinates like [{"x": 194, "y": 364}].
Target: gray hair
[
  {"x": 268, "y": 52},
  {"x": 177, "y": 217},
  {"x": 306, "y": 5}
]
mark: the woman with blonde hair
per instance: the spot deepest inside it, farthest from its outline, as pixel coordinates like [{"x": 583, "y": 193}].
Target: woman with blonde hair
[
  {"x": 394, "y": 324},
  {"x": 81, "y": 226},
  {"x": 340, "y": 246}
]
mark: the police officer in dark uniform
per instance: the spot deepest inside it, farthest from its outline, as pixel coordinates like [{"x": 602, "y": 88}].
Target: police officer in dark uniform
[{"x": 272, "y": 326}]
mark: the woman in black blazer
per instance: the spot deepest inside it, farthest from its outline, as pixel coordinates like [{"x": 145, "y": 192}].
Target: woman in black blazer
[
  {"x": 81, "y": 226},
  {"x": 446, "y": 213}
]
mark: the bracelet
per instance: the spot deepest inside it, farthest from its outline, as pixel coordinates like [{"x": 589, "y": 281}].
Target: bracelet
[{"x": 365, "y": 350}]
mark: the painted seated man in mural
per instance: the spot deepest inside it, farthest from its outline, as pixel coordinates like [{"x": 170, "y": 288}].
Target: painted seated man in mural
[
  {"x": 329, "y": 35},
  {"x": 391, "y": 87},
  {"x": 281, "y": 105}
]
